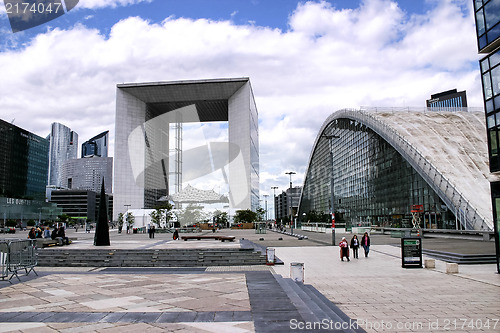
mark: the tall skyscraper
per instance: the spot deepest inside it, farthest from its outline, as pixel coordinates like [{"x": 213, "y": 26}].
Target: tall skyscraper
[
  {"x": 97, "y": 146},
  {"x": 63, "y": 146},
  {"x": 23, "y": 163}
]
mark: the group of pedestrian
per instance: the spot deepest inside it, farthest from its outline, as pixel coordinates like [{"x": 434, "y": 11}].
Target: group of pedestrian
[
  {"x": 60, "y": 235},
  {"x": 57, "y": 234},
  {"x": 151, "y": 231},
  {"x": 355, "y": 244}
]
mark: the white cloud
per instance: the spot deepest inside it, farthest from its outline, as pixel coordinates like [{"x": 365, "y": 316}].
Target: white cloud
[{"x": 374, "y": 55}]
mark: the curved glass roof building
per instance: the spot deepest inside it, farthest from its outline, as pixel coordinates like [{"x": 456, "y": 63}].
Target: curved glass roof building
[{"x": 381, "y": 162}]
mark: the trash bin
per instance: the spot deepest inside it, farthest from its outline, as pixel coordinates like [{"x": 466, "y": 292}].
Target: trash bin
[
  {"x": 297, "y": 271},
  {"x": 270, "y": 256}
]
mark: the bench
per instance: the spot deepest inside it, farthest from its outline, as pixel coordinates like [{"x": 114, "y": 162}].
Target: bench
[
  {"x": 47, "y": 242},
  {"x": 216, "y": 237}
]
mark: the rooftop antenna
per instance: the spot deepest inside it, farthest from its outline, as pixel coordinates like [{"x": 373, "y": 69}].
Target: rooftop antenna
[{"x": 12, "y": 122}]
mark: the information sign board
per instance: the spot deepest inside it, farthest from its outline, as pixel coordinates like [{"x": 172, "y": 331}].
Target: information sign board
[{"x": 411, "y": 252}]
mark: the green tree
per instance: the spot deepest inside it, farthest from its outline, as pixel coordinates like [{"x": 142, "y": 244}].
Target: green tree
[
  {"x": 120, "y": 221},
  {"x": 129, "y": 219},
  {"x": 162, "y": 214},
  {"x": 220, "y": 217},
  {"x": 11, "y": 223},
  {"x": 261, "y": 212},
  {"x": 245, "y": 216},
  {"x": 157, "y": 216},
  {"x": 191, "y": 214}
]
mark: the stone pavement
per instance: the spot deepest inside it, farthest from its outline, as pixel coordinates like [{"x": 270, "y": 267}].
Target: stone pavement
[
  {"x": 384, "y": 297},
  {"x": 375, "y": 291}
]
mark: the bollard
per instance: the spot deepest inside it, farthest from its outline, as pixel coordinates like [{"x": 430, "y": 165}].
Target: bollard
[
  {"x": 270, "y": 256},
  {"x": 451, "y": 268},
  {"x": 297, "y": 271},
  {"x": 430, "y": 263}
]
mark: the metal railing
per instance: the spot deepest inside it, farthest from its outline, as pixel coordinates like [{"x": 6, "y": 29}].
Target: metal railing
[{"x": 16, "y": 255}]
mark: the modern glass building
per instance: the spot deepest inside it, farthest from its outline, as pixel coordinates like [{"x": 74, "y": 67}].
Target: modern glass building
[
  {"x": 96, "y": 146},
  {"x": 23, "y": 176},
  {"x": 63, "y": 147},
  {"x": 23, "y": 163},
  {"x": 148, "y": 152},
  {"x": 487, "y": 15},
  {"x": 288, "y": 199},
  {"x": 88, "y": 174},
  {"x": 450, "y": 100},
  {"x": 382, "y": 162}
]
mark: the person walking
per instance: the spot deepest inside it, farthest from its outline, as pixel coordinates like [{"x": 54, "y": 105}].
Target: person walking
[
  {"x": 344, "y": 249},
  {"x": 175, "y": 236},
  {"x": 355, "y": 246},
  {"x": 365, "y": 243},
  {"x": 153, "y": 229}
]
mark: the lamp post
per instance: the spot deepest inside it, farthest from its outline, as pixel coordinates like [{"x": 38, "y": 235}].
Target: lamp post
[
  {"x": 274, "y": 188},
  {"x": 332, "y": 199},
  {"x": 290, "y": 173},
  {"x": 265, "y": 198}
]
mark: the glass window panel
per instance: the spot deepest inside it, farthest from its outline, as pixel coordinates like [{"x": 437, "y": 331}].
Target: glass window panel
[
  {"x": 491, "y": 121},
  {"x": 478, "y": 4},
  {"x": 485, "y": 65},
  {"x": 482, "y": 42},
  {"x": 493, "y": 142},
  {"x": 480, "y": 23},
  {"x": 493, "y": 34},
  {"x": 495, "y": 78},
  {"x": 494, "y": 59},
  {"x": 497, "y": 100},
  {"x": 497, "y": 116},
  {"x": 492, "y": 13},
  {"x": 489, "y": 106},
  {"x": 487, "y": 86}
]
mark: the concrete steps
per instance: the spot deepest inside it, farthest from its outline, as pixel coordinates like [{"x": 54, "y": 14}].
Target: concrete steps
[
  {"x": 149, "y": 258},
  {"x": 462, "y": 259},
  {"x": 316, "y": 308}
]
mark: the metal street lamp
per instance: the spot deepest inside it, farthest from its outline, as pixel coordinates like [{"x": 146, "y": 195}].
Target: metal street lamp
[
  {"x": 332, "y": 199},
  {"x": 274, "y": 188},
  {"x": 265, "y": 198},
  {"x": 290, "y": 173}
]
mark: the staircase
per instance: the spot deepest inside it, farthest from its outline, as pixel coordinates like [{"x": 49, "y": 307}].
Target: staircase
[
  {"x": 462, "y": 259},
  {"x": 148, "y": 257},
  {"x": 316, "y": 308}
]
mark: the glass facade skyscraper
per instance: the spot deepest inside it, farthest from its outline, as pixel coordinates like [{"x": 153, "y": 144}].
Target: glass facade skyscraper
[
  {"x": 23, "y": 163},
  {"x": 63, "y": 146},
  {"x": 96, "y": 146}
]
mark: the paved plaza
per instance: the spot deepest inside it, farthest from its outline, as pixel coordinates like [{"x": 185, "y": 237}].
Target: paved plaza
[{"x": 376, "y": 293}]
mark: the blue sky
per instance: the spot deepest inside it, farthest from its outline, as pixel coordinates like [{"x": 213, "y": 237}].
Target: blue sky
[
  {"x": 305, "y": 59},
  {"x": 266, "y": 13}
]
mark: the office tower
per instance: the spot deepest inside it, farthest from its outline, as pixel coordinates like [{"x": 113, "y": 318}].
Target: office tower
[
  {"x": 97, "y": 146},
  {"x": 63, "y": 146},
  {"x": 23, "y": 162}
]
